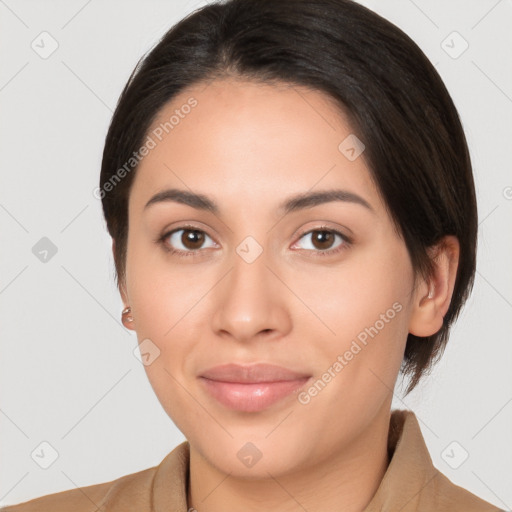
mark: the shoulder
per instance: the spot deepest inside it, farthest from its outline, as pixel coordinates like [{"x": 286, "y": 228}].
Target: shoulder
[
  {"x": 412, "y": 482},
  {"x": 163, "y": 487},
  {"x": 129, "y": 492},
  {"x": 450, "y": 496}
]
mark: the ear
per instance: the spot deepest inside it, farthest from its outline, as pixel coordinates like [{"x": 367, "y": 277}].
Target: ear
[
  {"x": 124, "y": 296},
  {"x": 432, "y": 298}
]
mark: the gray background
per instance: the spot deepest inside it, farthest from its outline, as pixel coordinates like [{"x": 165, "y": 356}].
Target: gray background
[{"x": 68, "y": 375}]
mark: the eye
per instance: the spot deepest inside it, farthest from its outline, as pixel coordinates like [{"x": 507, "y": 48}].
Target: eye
[
  {"x": 323, "y": 240},
  {"x": 188, "y": 241},
  {"x": 184, "y": 241}
]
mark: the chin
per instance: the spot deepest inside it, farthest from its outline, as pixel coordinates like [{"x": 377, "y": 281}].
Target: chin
[{"x": 252, "y": 457}]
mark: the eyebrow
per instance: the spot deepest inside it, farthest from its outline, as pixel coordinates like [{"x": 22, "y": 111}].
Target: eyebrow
[{"x": 292, "y": 204}]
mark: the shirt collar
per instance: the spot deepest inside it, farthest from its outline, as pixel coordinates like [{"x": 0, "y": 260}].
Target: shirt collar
[{"x": 410, "y": 469}]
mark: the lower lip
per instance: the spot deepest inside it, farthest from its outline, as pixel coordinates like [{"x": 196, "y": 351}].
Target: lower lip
[{"x": 252, "y": 397}]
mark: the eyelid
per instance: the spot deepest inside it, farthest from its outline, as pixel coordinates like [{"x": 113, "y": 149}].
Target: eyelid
[
  {"x": 186, "y": 226},
  {"x": 326, "y": 227},
  {"x": 347, "y": 241}
]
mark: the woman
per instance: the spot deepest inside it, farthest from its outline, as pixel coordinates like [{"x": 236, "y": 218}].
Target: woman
[{"x": 290, "y": 197}]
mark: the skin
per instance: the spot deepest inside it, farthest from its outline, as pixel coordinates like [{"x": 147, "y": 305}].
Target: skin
[{"x": 250, "y": 146}]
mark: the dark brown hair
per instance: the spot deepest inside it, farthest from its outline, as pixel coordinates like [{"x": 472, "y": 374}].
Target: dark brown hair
[{"x": 397, "y": 104}]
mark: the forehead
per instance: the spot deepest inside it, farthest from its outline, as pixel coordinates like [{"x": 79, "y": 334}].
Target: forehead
[{"x": 246, "y": 140}]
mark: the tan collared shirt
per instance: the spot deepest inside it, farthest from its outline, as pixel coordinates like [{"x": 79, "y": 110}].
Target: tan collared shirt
[{"x": 411, "y": 483}]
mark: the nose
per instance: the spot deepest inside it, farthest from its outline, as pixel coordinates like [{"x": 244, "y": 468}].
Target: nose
[{"x": 251, "y": 301}]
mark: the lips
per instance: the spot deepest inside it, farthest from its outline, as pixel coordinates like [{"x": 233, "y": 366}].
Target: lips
[
  {"x": 252, "y": 373},
  {"x": 251, "y": 388}
]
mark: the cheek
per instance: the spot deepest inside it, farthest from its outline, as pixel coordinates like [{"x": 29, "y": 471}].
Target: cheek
[
  {"x": 169, "y": 309},
  {"x": 175, "y": 394},
  {"x": 166, "y": 310},
  {"x": 362, "y": 312},
  {"x": 161, "y": 292},
  {"x": 352, "y": 296}
]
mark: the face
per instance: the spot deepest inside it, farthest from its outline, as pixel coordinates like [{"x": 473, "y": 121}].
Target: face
[{"x": 323, "y": 289}]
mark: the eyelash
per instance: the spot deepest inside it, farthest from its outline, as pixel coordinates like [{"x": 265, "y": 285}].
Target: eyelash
[{"x": 347, "y": 242}]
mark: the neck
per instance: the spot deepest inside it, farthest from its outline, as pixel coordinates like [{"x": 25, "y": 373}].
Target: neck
[{"x": 346, "y": 481}]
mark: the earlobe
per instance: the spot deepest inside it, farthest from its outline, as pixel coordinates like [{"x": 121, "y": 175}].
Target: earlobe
[
  {"x": 432, "y": 298},
  {"x": 127, "y": 318},
  {"x": 126, "y": 314}
]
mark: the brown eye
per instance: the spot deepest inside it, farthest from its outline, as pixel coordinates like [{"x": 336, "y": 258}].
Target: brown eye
[
  {"x": 323, "y": 241},
  {"x": 185, "y": 241},
  {"x": 192, "y": 239}
]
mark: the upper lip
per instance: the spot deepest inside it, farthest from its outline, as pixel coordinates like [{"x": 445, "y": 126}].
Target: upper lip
[{"x": 260, "y": 372}]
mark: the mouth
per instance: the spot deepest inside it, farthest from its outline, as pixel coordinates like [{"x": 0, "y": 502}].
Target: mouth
[
  {"x": 251, "y": 388},
  {"x": 251, "y": 397}
]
